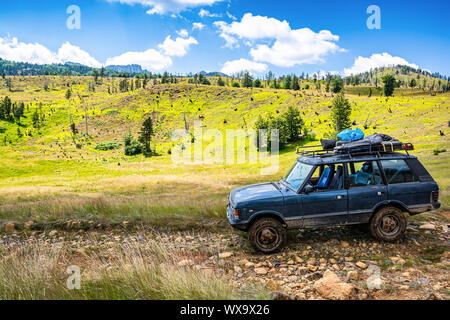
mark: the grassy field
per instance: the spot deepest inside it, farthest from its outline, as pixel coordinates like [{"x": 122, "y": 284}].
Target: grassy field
[{"x": 44, "y": 177}]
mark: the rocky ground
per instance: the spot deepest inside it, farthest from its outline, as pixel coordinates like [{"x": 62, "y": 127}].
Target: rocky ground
[{"x": 334, "y": 263}]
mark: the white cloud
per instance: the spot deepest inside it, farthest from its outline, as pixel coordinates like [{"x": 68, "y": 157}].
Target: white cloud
[
  {"x": 166, "y": 6},
  {"x": 177, "y": 47},
  {"x": 229, "y": 15},
  {"x": 236, "y": 66},
  {"x": 183, "y": 33},
  {"x": 14, "y": 50},
  {"x": 70, "y": 53},
  {"x": 149, "y": 60},
  {"x": 205, "y": 13},
  {"x": 377, "y": 60},
  {"x": 198, "y": 25},
  {"x": 290, "y": 47}
]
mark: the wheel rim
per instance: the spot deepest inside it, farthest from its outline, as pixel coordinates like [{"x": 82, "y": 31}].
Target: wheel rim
[
  {"x": 267, "y": 238},
  {"x": 389, "y": 225}
]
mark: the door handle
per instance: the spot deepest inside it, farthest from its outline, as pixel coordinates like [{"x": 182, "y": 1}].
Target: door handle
[
  {"x": 381, "y": 193},
  {"x": 340, "y": 197}
]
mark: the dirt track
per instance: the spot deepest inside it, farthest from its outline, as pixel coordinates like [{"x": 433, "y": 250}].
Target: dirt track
[{"x": 418, "y": 267}]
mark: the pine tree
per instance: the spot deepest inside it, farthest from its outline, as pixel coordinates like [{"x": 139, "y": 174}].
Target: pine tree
[
  {"x": 294, "y": 123},
  {"x": 389, "y": 85},
  {"x": 247, "y": 82},
  {"x": 340, "y": 113},
  {"x": 146, "y": 135}
]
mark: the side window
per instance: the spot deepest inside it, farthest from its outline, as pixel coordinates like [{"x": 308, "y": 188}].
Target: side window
[
  {"x": 397, "y": 171},
  {"x": 328, "y": 177},
  {"x": 363, "y": 174}
]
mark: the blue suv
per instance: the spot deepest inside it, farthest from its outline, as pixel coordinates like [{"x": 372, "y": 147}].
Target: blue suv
[{"x": 329, "y": 189}]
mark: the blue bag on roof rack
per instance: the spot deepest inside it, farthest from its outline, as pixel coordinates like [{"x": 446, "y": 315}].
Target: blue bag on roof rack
[{"x": 351, "y": 135}]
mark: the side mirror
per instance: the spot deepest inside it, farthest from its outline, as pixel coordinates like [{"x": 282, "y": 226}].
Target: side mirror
[{"x": 308, "y": 189}]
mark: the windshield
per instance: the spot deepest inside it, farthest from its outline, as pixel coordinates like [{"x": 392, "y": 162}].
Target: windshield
[{"x": 297, "y": 175}]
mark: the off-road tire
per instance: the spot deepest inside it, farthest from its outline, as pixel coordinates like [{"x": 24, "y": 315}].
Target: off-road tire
[
  {"x": 388, "y": 224},
  {"x": 267, "y": 235}
]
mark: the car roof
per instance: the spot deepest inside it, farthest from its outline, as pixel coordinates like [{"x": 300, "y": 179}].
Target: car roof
[{"x": 333, "y": 158}]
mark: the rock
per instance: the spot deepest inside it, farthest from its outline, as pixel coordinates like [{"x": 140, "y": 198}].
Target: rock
[
  {"x": 331, "y": 287},
  {"x": 225, "y": 255},
  {"x": 243, "y": 262},
  {"x": 186, "y": 262},
  {"x": 261, "y": 271},
  {"x": 81, "y": 251},
  {"x": 312, "y": 268},
  {"x": 323, "y": 260},
  {"x": 53, "y": 233},
  {"x": 28, "y": 225},
  {"x": 352, "y": 275},
  {"x": 361, "y": 265},
  {"x": 345, "y": 244},
  {"x": 237, "y": 269},
  {"x": 348, "y": 259},
  {"x": 10, "y": 227},
  {"x": 336, "y": 267},
  {"x": 427, "y": 226},
  {"x": 273, "y": 285},
  {"x": 290, "y": 262},
  {"x": 298, "y": 260},
  {"x": 249, "y": 265}
]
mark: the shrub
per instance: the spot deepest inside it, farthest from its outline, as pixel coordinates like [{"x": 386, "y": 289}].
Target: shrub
[
  {"x": 132, "y": 147},
  {"x": 105, "y": 146},
  {"x": 437, "y": 151}
]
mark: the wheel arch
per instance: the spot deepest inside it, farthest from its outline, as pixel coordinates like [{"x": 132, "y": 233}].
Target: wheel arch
[
  {"x": 266, "y": 214},
  {"x": 396, "y": 204}
]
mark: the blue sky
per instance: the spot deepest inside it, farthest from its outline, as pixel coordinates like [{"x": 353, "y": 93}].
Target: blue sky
[{"x": 282, "y": 36}]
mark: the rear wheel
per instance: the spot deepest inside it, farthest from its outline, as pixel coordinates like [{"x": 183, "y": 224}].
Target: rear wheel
[
  {"x": 388, "y": 224},
  {"x": 267, "y": 235}
]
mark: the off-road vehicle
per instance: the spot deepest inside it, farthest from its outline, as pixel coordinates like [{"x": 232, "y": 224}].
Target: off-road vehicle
[{"x": 336, "y": 188}]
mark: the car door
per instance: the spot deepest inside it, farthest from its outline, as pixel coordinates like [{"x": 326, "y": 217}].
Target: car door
[
  {"x": 326, "y": 206},
  {"x": 404, "y": 186},
  {"x": 366, "y": 189}
]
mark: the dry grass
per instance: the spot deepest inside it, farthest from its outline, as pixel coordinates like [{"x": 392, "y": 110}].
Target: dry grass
[{"x": 143, "y": 270}]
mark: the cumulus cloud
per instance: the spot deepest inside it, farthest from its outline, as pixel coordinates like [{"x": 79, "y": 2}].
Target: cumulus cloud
[
  {"x": 236, "y": 66},
  {"x": 205, "y": 13},
  {"x": 289, "y": 47},
  {"x": 166, "y": 6},
  {"x": 198, "y": 25},
  {"x": 377, "y": 60},
  {"x": 149, "y": 60},
  {"x": 70, "y": 53},
  {"x": 14, "y": 50},
  {"x": 177, "y": 47},
  {"x": 183, "y": 33}
]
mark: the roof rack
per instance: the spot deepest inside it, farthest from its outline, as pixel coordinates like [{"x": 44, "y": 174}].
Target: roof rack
[{"x": 322, "y": 153}]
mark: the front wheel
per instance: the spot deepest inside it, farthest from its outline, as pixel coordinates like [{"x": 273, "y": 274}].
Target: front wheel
[
  {"x": 267, "y": 235},
  {"x": 388, "y": 224}
]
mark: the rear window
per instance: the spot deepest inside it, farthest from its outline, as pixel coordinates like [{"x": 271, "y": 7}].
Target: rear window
[
  {"x": 398, "y": 171},
  {"x": 419, "y": 170}
]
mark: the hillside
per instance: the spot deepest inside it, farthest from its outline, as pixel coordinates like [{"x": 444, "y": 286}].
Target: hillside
[{"x": 45, "y": 163}]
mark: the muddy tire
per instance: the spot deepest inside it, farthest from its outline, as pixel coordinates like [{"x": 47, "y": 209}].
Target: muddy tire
[
  {"x": 267, "y": 235},
  {"x": 388, "y": 224}
]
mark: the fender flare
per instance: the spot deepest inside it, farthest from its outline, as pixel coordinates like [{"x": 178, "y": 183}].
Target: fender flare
[{"x": 267, "y": 214}]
